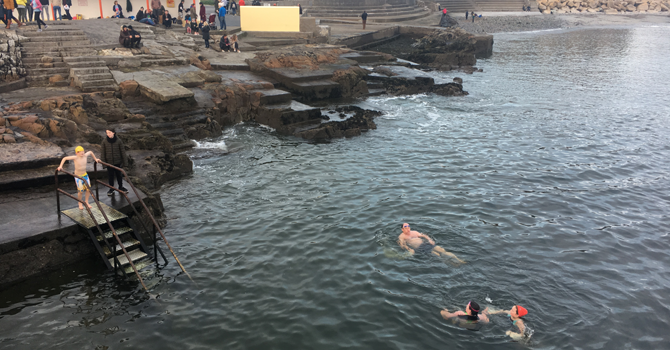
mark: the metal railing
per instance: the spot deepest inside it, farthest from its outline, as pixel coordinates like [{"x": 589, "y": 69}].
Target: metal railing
[
  {"x": 153, "y": 220},
  {"x": 90, "y": 213}
]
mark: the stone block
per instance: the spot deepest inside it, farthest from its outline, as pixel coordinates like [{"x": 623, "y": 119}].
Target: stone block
[
  {"x": 56, "y": 78},
  {"x": 129, "y": 88},
  {"x": 47, "y": 59}
]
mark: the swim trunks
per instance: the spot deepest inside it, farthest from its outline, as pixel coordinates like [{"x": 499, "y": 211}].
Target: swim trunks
[
  {"x": 80, "y": 183},
  {"x": 425, "y": 248}
]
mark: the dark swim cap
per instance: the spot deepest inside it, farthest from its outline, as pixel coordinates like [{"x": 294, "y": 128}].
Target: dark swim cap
[{"x": 474, "y": 307}]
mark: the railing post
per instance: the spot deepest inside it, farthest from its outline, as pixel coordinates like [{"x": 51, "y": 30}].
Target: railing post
[
  {"x": 95, "y": 175},
  {"x": 57, "y": 195}
]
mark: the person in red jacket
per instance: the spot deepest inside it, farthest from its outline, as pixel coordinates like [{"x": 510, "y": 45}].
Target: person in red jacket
[{"x": 241, "y": 2}]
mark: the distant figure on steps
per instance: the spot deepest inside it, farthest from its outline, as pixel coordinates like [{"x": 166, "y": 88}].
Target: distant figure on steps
[{"x": 364, "y": 16}]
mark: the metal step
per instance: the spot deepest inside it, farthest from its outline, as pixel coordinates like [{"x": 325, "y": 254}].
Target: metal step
[
  {"x": 126, "y": 244},
  {"x": 139, "y": 266},
  {"x": 119, "y": 231},
  {"x": 134, "y": 256}
]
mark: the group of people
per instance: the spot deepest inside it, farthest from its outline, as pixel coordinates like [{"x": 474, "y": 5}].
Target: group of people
[
  {"x": 416, "y": 242},
  {"x": 113, "y": 152},
  {"x": 473, "y": 15},
  {"x": 129, "y": 37},
  {"x": 29, "y": 10}
]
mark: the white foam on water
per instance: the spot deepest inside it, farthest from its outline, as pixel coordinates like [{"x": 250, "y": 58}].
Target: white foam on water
[{"x": 218, "y": 145}]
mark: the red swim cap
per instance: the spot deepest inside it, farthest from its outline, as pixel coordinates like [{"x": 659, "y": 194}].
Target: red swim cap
[{"x": 521, "y": 311}]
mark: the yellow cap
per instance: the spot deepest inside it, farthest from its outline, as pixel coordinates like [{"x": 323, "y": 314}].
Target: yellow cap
[{"x": 79, "y": 148}]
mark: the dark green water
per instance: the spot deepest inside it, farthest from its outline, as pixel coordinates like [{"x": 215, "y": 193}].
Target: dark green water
[{"x": 550, "y": 179}]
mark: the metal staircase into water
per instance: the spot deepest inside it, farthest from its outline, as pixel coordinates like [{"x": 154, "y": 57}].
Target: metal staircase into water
[{"x": 113, "y": 234}]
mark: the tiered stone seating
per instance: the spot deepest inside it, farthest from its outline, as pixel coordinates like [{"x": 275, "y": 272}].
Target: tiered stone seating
[
  {"x": 500, "y": 5},
  {"x": 378, "y": 11},
  {"x": 458, "y": 5}
]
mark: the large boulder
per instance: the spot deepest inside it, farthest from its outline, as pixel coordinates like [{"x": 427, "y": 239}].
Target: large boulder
[{"x": 109, "y": 109}]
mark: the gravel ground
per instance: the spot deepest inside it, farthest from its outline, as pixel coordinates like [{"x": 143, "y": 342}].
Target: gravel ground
[{"x": 503, "y": 24}]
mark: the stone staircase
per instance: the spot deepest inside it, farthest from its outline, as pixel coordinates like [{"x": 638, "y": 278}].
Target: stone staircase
[
  {"x": 172, "y": 127},
  {"x": 90, "y": 73},
  {"x": 376, "y": 13},
  {"x": 43, "y": 52},
  {"x": 459, "y": 5},
  {"x": 500, "y": 5}
]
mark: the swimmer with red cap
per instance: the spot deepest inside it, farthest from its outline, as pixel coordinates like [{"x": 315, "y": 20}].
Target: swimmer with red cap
[{"x": 515, "y": 314}]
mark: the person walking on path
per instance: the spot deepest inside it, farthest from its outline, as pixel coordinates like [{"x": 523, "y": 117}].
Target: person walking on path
[
  {"x": 364, "y": 16},
  {"x": 56, "y": 4},
  {"x": 21, "y": 7},
  {"x": 205, "y": 35},
  {"x": 114, "y": 153},
  {"x": 466, "y": 15},
  {"x": 222, "y": 18},
  {"x": 9, "y": 13},
  {"x": 80, "y": 161},
  {"x": 180, "y": 11},
  {"x": 233, "y": 8},
  {"x": 45, "y": 9}
]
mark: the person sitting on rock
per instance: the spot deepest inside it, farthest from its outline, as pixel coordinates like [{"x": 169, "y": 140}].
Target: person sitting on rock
[
  {"x": 140, "y": 14},
  {"x": 224, "y": 44},
  {"x": 167, "y": 20},
  {"x": 194, "y": 27},
  {"x": 235, "y": 47},
  {"x": 124, "y": 37},
  {"x": 135, "y": 37}
]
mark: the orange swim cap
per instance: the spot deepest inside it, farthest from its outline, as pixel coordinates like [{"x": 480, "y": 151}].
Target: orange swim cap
[{"x": 521, "y": 311}]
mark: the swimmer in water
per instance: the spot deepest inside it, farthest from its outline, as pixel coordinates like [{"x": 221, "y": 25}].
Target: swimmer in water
[
  {"x": 413, "y": 242},
  {"x": 471, "y": 315},
  {"x": 515, "y": 314}
]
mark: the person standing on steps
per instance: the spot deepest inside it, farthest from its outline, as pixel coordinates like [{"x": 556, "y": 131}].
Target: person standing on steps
[
  {"x": 114, "y": 153},
  {"x": 37, "y": 7},
  {"x": 466, "y": 15},
  {"x": 21, "y": 7},
  {"x": 203, "y": 13},
  {"x": 222, "y": 18},
  {"x": 9, "y": 13},
  {"x": 45, "y": 10},
  {"x": 180, "y": 11},
  {"x": 364, "y": 16},
  {"x": 205, "y": 35},
  {"x": 117, "y": 9},
  {"x": 56, "y": 4}
]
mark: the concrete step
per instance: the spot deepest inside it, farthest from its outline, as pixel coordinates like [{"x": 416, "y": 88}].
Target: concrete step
[
  {"x": 59, "y": 37},
  {"x": 163, "y": 62},
  {"x": 363, "y": 56},
  {"x": 45, "y": 77},
  {"x": 273, "y": 96},
  {"x": 86, "y": 71},
  {"x": 110, "y": 87},
  {"x": 97, "y": 76},
  {"x": 96, "y": 83},
  {"x": 49, "y": 32},
  {"x": 34, "y": 60},
  {"x": 50, "y": 71},
  {"x": 86, "y": 64},
  {"x": 41, "y": 65},
  {"x": 45, "y": 44},
  {"x": 81, "y": 59},
  {"x": 315, "y": 90},
  {"x": 56, "y": 51}
]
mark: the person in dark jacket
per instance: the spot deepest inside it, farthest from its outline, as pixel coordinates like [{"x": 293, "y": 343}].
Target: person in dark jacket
[
  {"x": 205, "y": 35},
  {"x": 364, "y": 16},
  {"x": 224, "y": 44},
  {"x": 114, "y": 153},
  {"x": 140, "y": 14},
  {"x": 135, "y": 37}
]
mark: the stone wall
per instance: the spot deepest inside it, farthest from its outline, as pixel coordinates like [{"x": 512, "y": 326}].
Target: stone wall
[
  {"x": 349, "y": 3},
  {"x": 11, "y": 65},
  {"x": 606, "y": 6}
]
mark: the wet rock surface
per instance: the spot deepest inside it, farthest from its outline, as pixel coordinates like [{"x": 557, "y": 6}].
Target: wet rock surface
[
  {"x": 502, "y": 24},
  {"x": 353, "y": 121}
]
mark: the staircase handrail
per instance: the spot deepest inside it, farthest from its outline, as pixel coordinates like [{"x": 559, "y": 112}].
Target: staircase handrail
[
  {"x": 125, "y": 175},
  {"x": 58, "y": 191}
]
